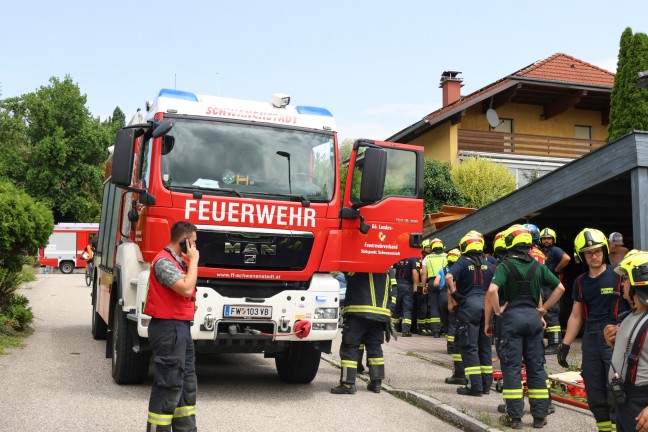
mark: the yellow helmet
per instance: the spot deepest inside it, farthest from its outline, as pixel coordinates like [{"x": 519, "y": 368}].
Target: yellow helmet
[
  {"x": 426, "y": 243},
  {"x": 517, "y": 235},
  {"x": 437, "y": 244},
  {"x": 499, "y": 245},
  {"x": 634, "y": 266},
  {"x": 471, "y": 242},
  {"x": 548, "y": 232},
  {"x": 589, "y": 239},
  {"x": 453, "y": 256}
]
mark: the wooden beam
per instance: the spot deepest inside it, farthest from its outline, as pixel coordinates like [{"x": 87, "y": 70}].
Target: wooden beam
[
  {"x": 500, "y": 99},
  {"x": 563, "y": 104}
]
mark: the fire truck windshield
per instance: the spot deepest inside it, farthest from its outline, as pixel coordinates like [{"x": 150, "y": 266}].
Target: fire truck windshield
[{"x": 258, "y": 159}]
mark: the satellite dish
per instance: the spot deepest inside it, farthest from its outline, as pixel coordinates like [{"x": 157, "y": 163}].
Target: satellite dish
[{"x": 492, "y": 118}]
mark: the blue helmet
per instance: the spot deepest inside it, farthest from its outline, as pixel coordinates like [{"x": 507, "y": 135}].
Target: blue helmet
[{"x": 535, "y": 232}]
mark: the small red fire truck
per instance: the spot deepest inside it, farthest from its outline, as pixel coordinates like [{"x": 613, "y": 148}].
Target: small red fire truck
[
  {"x": 262, "y": 183},
  {"x": 66, "y": 245}
]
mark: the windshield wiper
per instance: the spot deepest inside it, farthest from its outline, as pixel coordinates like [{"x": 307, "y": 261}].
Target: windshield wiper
[
  {"x": 293, "y": 197},
  {"x": 207, "y": 189}
]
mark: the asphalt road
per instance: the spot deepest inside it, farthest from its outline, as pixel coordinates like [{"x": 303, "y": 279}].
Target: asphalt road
[{"x": 60, "y": 381}]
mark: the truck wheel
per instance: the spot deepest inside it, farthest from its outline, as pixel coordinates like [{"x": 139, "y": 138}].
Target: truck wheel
[
  {"x": 299, "y": 364},
  {"x": 99, "y": 327},
  {"x": 66, "y": 267},
  {"x": 128, "y": 367}
]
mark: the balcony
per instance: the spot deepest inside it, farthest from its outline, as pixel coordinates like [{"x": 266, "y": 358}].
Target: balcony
[{"x": 519, "y": 144}]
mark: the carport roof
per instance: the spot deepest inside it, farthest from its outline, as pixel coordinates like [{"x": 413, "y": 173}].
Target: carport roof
[{"x": 594, "y": 191}]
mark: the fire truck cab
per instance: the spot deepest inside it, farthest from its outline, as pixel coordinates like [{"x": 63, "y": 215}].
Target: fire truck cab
[{"x": 261, "y": 181}]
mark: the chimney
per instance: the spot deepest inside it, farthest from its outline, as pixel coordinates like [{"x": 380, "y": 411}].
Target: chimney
[{"x": 451, "y": 86}]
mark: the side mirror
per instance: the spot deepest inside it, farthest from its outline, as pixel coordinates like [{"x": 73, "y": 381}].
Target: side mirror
[
  {"x": 374, "y": 171},
  {"x": 163, "y": 128},
  {"x": 123, "y": 156}
]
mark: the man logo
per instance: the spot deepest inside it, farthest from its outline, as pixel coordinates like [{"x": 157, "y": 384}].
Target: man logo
[{"x": 251, "y": 251}]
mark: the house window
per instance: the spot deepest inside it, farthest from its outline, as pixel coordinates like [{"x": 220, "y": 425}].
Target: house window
[
  {"x": 583, "y": 132},
  {"x": 506, "y": 125}
]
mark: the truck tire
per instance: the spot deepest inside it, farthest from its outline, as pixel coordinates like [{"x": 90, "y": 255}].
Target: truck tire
[
  {"x": 99, "y": 327},
  {"x": 128, "y": 367},
  {"x": 299, "y": 364},
  {"x": 66, "y": 267}
]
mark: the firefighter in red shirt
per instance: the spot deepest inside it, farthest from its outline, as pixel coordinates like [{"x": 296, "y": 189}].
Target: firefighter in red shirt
[{"x": 170, "y": 301}]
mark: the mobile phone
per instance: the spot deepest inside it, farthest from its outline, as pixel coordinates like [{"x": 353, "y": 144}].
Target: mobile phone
[{"x": 183, "y": 246}]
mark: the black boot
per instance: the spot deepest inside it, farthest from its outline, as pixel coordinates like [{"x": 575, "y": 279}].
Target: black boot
[
  {"x": 465, "y": 391},
  {"x": 539, "y": 422},
  {"x": 343, "y": 388},
  {"x": 513, "y": 423},
  {"x": 374, "y": 386},
  {"x": 456, "y": 380}
]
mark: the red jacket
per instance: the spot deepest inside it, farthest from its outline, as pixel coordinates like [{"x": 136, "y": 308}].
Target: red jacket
[{"x": 164, "y": 303}]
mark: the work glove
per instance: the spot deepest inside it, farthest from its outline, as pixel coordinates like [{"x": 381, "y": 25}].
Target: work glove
[
  {"x": 563, "y": 350},
  {"x": 390, "y": 330},
  {"x": 460, "y": 299}
]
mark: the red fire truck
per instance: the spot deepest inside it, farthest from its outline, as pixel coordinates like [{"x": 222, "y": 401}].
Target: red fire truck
[
  {"x": 262, "y": 183},
  {"x": 66, "y": 245}
]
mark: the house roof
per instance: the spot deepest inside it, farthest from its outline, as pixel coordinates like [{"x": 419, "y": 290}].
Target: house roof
[{"x": 543, "y": 82}]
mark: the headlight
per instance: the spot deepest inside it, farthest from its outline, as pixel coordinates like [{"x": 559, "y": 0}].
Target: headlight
[
  {"x": 325, "y": 326},
  {"x": 326, "y": 313}
]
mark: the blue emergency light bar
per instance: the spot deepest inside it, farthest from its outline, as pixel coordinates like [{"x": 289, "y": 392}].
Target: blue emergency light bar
[
  {"x": 309, "y": 110},
  {"x": 178, "y": 94}
]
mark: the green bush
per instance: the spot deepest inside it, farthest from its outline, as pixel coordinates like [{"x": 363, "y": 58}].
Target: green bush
[
  {"x": 481, "y": 181},
  {"x": 25, "y": 225}
]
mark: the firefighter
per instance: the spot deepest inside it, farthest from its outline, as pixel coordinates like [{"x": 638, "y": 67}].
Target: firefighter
[
  {"x": 170, "y": 301},
  {"x": 407, "y": 281},
  {"x": 432, "y": 264},
  {"x": 467, "y": 281},
  {"x": 593, "y": 303},
  {"x": 421, "y": 295},
  {"x": 446, "y": 316},
  {"x": 630, "y": 356},
  {"x": 366, "y": 320},
  {"x": 557, "y": 260},
  {"x": 520, "y": 278}
]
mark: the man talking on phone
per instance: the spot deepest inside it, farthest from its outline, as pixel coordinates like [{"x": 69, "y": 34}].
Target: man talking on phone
[{"x": 170, "y": 301}]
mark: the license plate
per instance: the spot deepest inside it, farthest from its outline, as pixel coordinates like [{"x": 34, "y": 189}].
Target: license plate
[{"x": 261, "y": 312}]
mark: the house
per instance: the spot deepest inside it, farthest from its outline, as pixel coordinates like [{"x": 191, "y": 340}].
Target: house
[{"x": 533, "y": 120}]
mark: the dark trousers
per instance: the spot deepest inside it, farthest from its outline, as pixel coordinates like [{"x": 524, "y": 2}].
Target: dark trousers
[
  {"x": 404, "y": 305},
  {"x": 473, "y": 344},
  {"x": 520, "y": 337},
  {"x": 421, "y": 311},
  {"x": 553, "y": 332},
  {"x": 443, "y": 310},
  {"x": 173, "y": 396},
  {"x": 637, "y": 400},
  {"x": 357, "y": 330},
  {"x": 597, "y": 356},
  {"x": 433, "y": 312}
]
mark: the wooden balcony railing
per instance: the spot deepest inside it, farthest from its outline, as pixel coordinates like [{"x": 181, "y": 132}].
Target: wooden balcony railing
[{"x": 534, "y": 145}]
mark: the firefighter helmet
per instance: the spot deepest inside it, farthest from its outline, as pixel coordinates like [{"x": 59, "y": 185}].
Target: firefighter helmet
[
  {"x": 634, "y": 266},
  {"x": 589, "y": 239},
  {"x": 517, "y": 235},
  {"x": 453, "y": 256},
  {"x": 437, "y": 245},
  {"x": 471, "y": 242},
  {"x": 535, "y": 232},
  {"x": 499, "y": 245},
  {"x": 425, "y": 244},
  {"x": 548, "y": 232}
]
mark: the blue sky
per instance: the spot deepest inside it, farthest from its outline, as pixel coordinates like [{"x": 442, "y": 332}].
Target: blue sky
[{"x": 375, "y": 65}]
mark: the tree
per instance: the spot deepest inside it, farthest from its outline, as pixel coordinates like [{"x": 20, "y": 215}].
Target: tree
[
  {"x": 25, "y": 225},
  {"x": 481, "y": 181},
  {"x": 62, "y": 149},
  {"x": 438, "y": 186},
  {"x": 628, "y": 104},
  {"x": 118, "y": 120}
]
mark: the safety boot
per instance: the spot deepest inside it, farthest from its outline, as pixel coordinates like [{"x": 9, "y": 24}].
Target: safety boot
[
  {"x": 551, "y": 349},
  {"x": 343, "y": 388},
  {"x": 513, "y": 423},
  {"x": 374, "y": 386},
  {"x": 539, "y": 422},
  {"x": 465, "y": 391},
  {"x": 456, "y": 380},
  {"x": 407, "y": 334}
]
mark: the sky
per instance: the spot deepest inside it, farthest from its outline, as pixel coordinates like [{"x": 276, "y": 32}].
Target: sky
[{"x": 374, "y": 64}]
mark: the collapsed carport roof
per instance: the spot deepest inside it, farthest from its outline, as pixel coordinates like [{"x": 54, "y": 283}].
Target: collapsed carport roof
[{"x": 606, "y": 189}]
